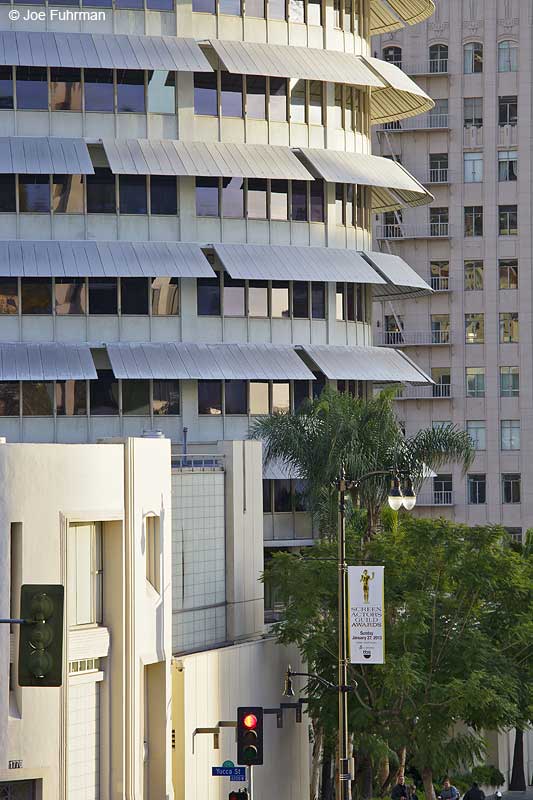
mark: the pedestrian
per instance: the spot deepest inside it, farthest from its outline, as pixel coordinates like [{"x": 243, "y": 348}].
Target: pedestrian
[
  {"x": 449, "y": 792},
  {"x": 411, "y": 791},
  {"x": 474, "y": 793},
  {"x": 400, "y": 790}
]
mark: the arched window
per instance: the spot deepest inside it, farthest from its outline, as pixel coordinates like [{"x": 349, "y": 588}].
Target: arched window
[
  {"x": 473, "y": 57},
  {"x": 438, "y": 58},
  {"x": 507, "y": 56},
  {"x": 393, "y": 55}
]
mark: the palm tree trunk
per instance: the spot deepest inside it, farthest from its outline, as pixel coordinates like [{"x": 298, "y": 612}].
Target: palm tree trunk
[
  {"x": 427, "y": 779},
  {"x": 318, "y": 738},
  {"x": 518, "y": 778}
]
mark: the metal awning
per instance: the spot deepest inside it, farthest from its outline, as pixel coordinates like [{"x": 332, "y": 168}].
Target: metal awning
[
  {"x": 69, "y": 259},
  {"x": 407, "y": 12},
  {"x": 380, "y": 364},
  {"x": 53, "y": 361},
  {"x": 288, "y": 61},
  {"x": 338, "y": 166},
  {"x": 400, "y": 278},
  {"x": 293, "y": 263},
  {"x": 44, "y": 155},
  {"x": 211, "y": 159},
  {"x": 100, "y": 51},
  {"x": 400, "y": 98},
  {"x": 189, "y": 361}
]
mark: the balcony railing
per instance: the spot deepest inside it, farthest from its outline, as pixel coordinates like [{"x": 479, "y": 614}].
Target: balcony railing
[
  {"x": 424, "y": 122},
  {"x": 473, "y": 137},
  {"x": 435, "y": 175},
  {"x": 197, "y": 461},
  {"x": 438, "y": 66},
  {"x": 508, "y": 135},
  {"x": 413, "y": 338},
  {"x": 436, "y": 391},
  {"x": 435, "y": 498},
  {"x": 438, "y": 283},
  {"x": 431, "y": 230}
]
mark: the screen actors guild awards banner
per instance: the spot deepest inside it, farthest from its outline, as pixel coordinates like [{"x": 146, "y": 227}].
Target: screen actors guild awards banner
[{"x": 366, "y": 608}]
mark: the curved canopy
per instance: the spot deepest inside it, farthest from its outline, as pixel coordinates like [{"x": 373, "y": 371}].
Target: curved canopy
[
  {"x": 400, "y": 96},
  {"x": 406, "y": 12}
]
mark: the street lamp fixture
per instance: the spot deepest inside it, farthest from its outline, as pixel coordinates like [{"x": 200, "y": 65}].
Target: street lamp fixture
[{"x": 402, "y": 496}]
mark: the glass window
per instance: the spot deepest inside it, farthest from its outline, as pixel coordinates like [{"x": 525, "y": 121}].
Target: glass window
[
  {"x": 475, "y": 381},
  {"x": 508, "y": 220},
  {"x": 65, "y": 89},
  {"x": 300, "y": 393},
  {"x": 256, "y": 198},
  {"x": 300, "y": 299},
  {"x": 34, "y": 193},
  {"x": 136, "y": 398},
  {"x": 165, "y": 296},
  {"x": 101, "y": 197},
  {"x": 509, "y": 327},
  {"x": 231, "y": 95},
  {"x": 316, "y": 102},
  {"x": 255, "y": 8},
  {"x": 277, "y": 9},
  {"x": 473, "y": 167},
  {"x": 67, "y": 194},
  {"x": 134, "y": 296},
  {"x": 84, "y": 589},
  {"x": 299, "y": 201},
  {"x": 99, "y": 93},
  {"x": 340, "y": 204},
  {"x": 277, "y": 102},
  {"x": 258, "y": 299},
  {"x": 230, "y": 7},
  {"x": 256, "y": 91},
  {"x": 298, "y": 92},
  {"x": 103, "y": 296},
  {"x": 340, "y": 301},
  {"x": 511, "y": 488},
  {"x": 208, "y": 297},
  {"x": 32, "y": 88},
  {"x": 130, "y": 91},
  {"x": 351, "y": 313},
  {"x": 36, "y": 295},
  {"x": 438, "y": 221},
  {"x": 473, "y": 112},
  {"x": 442, "y": 378},
  {"x": 104, "y": 393},
  {"x": 438, "y": 58},
  {"x": 509, "y": 381},
  {"x": 234, "y": 291},
  {"x": 166, "y": 398},
  {"x": 507, "y": 56},
  {"x": 236, "y": 397},
  {"x": 473, "y": 216},
  {"x": 439, "y": 275},
  {"x": 207, "y": 197},
  {"x": 233, "y": 198},
  {"x": 70, "y": 296},
  {"x": 280, "y": 397},
  {"x": 71, "y": 398},
  {"x": 510, "y": 434},
  {"x": 9, "y": 296},
  {"x": 477, "y": 431},
  {"x": 7, "y": 193},
  {"x": 393, "y": 55},
  {"x": 282, "y": 496},
  {"x": 205, "y": 92},
  {"x": 161, "y": 91},
  {"x": 6, "y": 87},
  {"x": 210, "y": 397},
  {"x": 267, "y": 496},
  {"x": 317, "y": 201},
  {"x": 477, "y": 489},
  {"x": 508, "y": 110},
  {"x": 259, "y": 401},
  {"x": 507, "y": 165},
  {"x": 318, "y": 385},
  {"x": 279, "y": 200},
  {"x": 440, "y": 328},
  {"x": 473, "y": 57},
  {"x": 37, "y": 398},
  {"x": 508, "y": 272},
  {"x": 204, "y": 6},
  {"x": 474, "y": 328},
  {"x": 337, "y": 112},
  {"x": 318, "y": 300},
  {"x": 280, "y": 299},
  {"x": 132, "y": 194},
  {"x": 296, "y": 11},
  {"x": 163, "y": 194},
  {"x": 314, "y": 12},
  {"x": 473, "y": 275},
  {"x": 10, "y": 399}
]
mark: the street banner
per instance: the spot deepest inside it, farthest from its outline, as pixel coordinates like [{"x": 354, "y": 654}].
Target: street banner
[{"x": 366, "y": 607}]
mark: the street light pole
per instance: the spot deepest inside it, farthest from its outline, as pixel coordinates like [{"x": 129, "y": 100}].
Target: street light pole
[{"x": 344, "y": 772}]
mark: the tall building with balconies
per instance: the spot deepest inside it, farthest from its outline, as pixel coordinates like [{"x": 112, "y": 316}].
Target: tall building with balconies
[{"x": 472, "y": 244}]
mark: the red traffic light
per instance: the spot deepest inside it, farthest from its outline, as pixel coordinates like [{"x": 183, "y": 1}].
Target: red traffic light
[{"x": 250, "y": 721}]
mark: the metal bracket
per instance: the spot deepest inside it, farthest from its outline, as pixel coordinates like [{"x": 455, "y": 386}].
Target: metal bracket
[
  {"x": 279, "y": 715},
  {"x": 214, "y": 731}
]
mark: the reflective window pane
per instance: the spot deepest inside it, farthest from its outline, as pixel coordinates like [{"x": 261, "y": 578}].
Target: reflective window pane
[
  {"x": 36, "y": 295},
  {"x": 259, "y": 404},
  {"x": 279, "y": 200},
  {"x": 277, "y": 9},
  {"x": 103, "y": 296},
  {"x": 258, "y": 299},
  {"x": 300, "y": 299},
  {"x": 282, "y": 496},
  {"x": 132, "y": 194},
  {"x": 10, "y": 399},
  {"x": 340, "y": 311},
  {"x": 208, "y": 297},
  {"x": 9, "y": 296},
  {"x": 298, "y": 100},
  {"x": 234, "y": 305},
  {"x": 6, "y": 87},
  {"x": 134, "y": 296},
  {"x": 207, "y": 197},
  {"x": 205, "y": 92},
  {"x": 7, "y": 193},
  {"x": 301, "y": 393},
  {"x": 267, "y": 496},
  {"x": 104, "y": 394},
  {"x": 280, "y": 397},
  {"x": 99, "y": 93},
  {"x": 318, "y": 300},
  {"x": 34, "y": 193},
  {"x": 236, "y": 397},
  {"x": 210, "y": 397},
  {"x": 255, "y": 8},
  {"x": 233, "y": 197},
  {"x": 163, "y": 194},
  {"x": 101, "y": 192},
  {"x": 278, "y": 99},
  {"x": 255, "y": 95},
  {"x": 204, "y": 6},
  {"x": 230, "y": 7},
  {"x": 296, "y": 11},
  {"x": 32, "y": 88},
  {"x": 130, "y": 91},
  {"x": 136, "y": 398},
  {"x": 166, "y": 397},
  {"x": 314, "y": 12},
  {"x": 317, "y": 201},
  {"x": 299, "y": 201},
  {"x": 160, "y": 5},
  {"x": 65, "y": 89},
  {"x": 231, "y": 95},
  {"x": 257, "y": 198},
  {"x": 316, "y": 102},
  {"x": 70, "y": 296},
  {"x": 280, "y": 299},
  {"x": 37, "y": 398},
  {"x": 165, "y": 296},
  {"x": 71, "y": 398},
  {"x": 67, "y": 194},
  {"x": 161, "y": 91}
]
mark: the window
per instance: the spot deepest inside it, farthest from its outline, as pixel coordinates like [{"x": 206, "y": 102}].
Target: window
[
  {"x": 475, "y": 381},
  {"x": 267, "y": 496},
  {"x": 514, "y": 533},
  {"x": 153, "y": 552},
  {"x": 7, "y": 193},
  {"x": 473, "y": 112},
  {"x": 132, "y": 194},
  {"x": 259, "y": 398},
  {"x": 70, "y": 296},
  {"x": 509, "y": 327},
  {"x": 207, "y": 197},
  {"x": 438, "y": 221},
  {"x": 438, "y": 58},
  {"x": 136, "y": 398},
  {"x": 510, "y": 434},
  {"x": 477, "y": 431},
  {"x": 473, "y": 275},
  {"x": 280, "y": 299},
  {"x": 318, "y": 300},
  {"x": 282, "y": 496},
  {"x": 130, "y": 91},
  {"x": 204, "y": 6},
  {"x": 508, "y": 271},
  {"x": 300, "y": 299},
  {"x": 256, "y": 8},
  {"x": 507, "y": 165},
  {"x": 234, "y": 300},
  {"x": 166, "y": 398},
  {"x": 32, "y": 88},
  {"x": 477, "y": 489},
  {"x": 9, "y": 399},
  {"x": 280, "y": 397},
  {"x": 163, "y": 194},
  {"x": 438, "y": 116},
  {"x": 161, "y": 91},
  {"x": 208, "y": 297},
  {"x": 316, "y": 102},
  {"x": 134, "y": 296},
  {"x": 256, "y": 94},
  {"x": 99, "y": 90},
  {"x": 316, "y": 201},
  {"x": 34, "y": 193},
  {"x": 36, "y": 295},
  {"x": 67, "y": 194},
  {"x": 256, "y": 198},
  {"x": 233, "y": 198},
  {"x": 442, "y": 378},
  {"x": 65, "y": 89},
  {"x": 473, "y": 216},
  {"x": 440, "y": 328},
  {"x": 509, "y": 381},
  {"x": 258, "y": 299},
  {"x": 84, "y": 574},
  {"x": 508, "y": 110},
  {"x": 279, "y": 200},
  {"x": 511, "y": 487},
  {"x": 103, "y": 296},
  {"x": 507, "y": 220},
  {"x": 277, "y": 100},
  {"x": 71, "y": 398},
  {"x": 300, "y": 393},
  {"x": 507, "y": 56},
  {"x": 101, "y": 198},
  {"x": 473, "y": 167},
  {"x": 210, "y": 397},
  {"x": 442, "y": 489},
  {"x": 205, "y": 91},
  {"x": 393, "y": 55},
  {"x": 6, "y": 87},
  {"x": 299, "y": 211},
  {"x": 473, "y": 58},
  {"x": 231, "y": 97},
  {"x": 474, "y": 328},
  {"x": 438, "y": 167},
  {"x": 9, "y": 296},
  {"x": 104, "y": 394},
  {"x": 235, "y": 397},
  {"x": 37, "y": 398},
  {"x": 297, "y": 102}
]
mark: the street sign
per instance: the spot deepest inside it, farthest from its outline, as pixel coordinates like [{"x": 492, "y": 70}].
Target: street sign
[
  {"x": 233, "y": 773},
  {"x": 228, "y": 763}
]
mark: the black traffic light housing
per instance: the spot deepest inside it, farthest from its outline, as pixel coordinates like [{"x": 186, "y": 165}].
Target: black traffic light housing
[
  {"x": 242, "y": 794},
  {"x": 41, "y": 635},
  {"x": 249, "y": 735}
]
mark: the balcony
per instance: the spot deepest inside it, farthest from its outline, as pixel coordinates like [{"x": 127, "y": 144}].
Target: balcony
[
  {"x": 435, "y": 498},
  {"x": 435, "y": 175},
  {"x": 438, "y": 283},
  {"x": 424, "y": 122},
  {"x": 412, "y": 338},
  {"x": 507, "y": 135},
  {"x": 430, "y": 230},
  {"x": 433, "y": 67},
  {"x": 473, "y": 137},
  {"x": 437, "y": 391}
]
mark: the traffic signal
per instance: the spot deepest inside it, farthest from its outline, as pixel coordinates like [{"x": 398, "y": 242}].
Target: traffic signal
[
  {"x": 242, "y": 794},
  {"x": 41, "y": 636},
  {"x": 249, "y": 735}
]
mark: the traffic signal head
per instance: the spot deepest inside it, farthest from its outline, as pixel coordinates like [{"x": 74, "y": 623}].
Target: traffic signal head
[
  {"x": 242, "y": 794},
  {"x": 249, "y": 735},
  {"x": 41, "y": 636}
]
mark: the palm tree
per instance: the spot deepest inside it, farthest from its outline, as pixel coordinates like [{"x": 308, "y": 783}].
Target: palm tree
[{"x": 337, "y": 431}]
